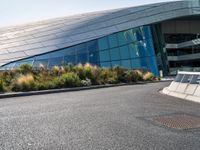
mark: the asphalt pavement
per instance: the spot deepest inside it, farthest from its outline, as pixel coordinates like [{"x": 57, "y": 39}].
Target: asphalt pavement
[{"x": 100, "y": 119}]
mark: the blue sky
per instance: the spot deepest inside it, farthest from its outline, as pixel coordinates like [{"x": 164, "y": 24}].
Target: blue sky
[{"x": 13, "y": 12}]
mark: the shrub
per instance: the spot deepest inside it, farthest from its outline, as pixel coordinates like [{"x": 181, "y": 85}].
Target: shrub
[
  {"x": 108, "y": 76},
  {"x": 120, "y": 74},
  {"x": 42, "y": 68},
  {"x": 1, "y": 86},
  {"x": 26, "y": 68},
  {"x": 70, "y": 80},
  {"x": 148, "y": 76},
  {"x": 55, "y": 71},
  {"x": 138, "y": 75},
  {"x": 41, "y": 86},
  {"x": 86, "y": 82},
  {"x": 131, "y": 76},
  {"x": 24, "y": 83}
]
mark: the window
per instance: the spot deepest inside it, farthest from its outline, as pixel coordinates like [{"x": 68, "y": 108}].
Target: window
[
  {"x": 92, "y": 46},
  {"x": 131, "y": 36},
  {"x": 124, "y": 51},
  {"x": 93, "y": 57},
  {"x": 57, "y": 54},
  {"x": 122, "y": 38},
  {"x": 149, "y": 47},
  {"x": 142, "y": 49},
  {"x": 116, "y": 63},
  {"x": 44, "y": 56},
  {"x": 147, "y": 32},
  {"x": 113, "y": 40},
  {"x": 81, "y": 48},
  {"x": 134, "y": 51},
  {"x": 103, "y": 43},
  {"x": 70, "y": 51},
  {"x": 56, "y": 62},
  {"x": 41, "y": 62},
  {"x": 70, "y": 59},
  {"x": 105, "y": 65},
  {"x": 82, "y": 58},
  {"x": 104, "y": 55},
  {"x": 114, "y": 53},
  {"x": 126, "y": 64},
  {"x": 136, "y": 63},
  {"x": 139, "y": 33}
]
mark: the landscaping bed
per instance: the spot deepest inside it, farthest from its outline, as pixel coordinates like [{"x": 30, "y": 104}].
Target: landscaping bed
[{"x": 26, "y": 78}]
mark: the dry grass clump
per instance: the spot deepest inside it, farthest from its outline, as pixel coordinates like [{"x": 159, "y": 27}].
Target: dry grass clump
[
  {"x": 148, "y": 76},
  {"x": 24, "y": 83}
]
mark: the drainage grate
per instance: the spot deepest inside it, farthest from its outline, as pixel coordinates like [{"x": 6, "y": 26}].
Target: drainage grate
[{"x": 178, "y": 121}]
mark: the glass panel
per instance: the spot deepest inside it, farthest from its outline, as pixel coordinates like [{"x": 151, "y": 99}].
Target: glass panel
[
  {"x": 122, "y": 38},
  {"x": 116, "y": 63},
  {"x": 152, "y": 65},
  {"x": 126, "y": 64},
  {"x": 93, "y": 57},
  {"x": 10, "y": 66},
  {"x": 113, "y": 40},
  {"x": 136, "y": 63},
  {"x": 134, "y": 51},
  {"x": 130, "y": 35},
  {"x": 147, "y": 32},
  {"x": 124, "y": 51},
  {"x": 142, "y": 49},
  {"x": 43, "y": 62},
  {"x": 144, "y": 63},
  {"x": 105, "y": 65},
  {"x": 103, "y": 43},
  {"x": 19, "y": 63},
  {"x": 56, "y": 62},
  {"x": 70, "y": 51},
  {"x": 57, "y": 54},
  {"x": 114, "y": 53},
  {"x": 138, "y": 33},
  {"x": 81, "y": 48},
  {"x": 44, "y": 56},
  {"x": 82, "y": 58},
  {"x": 149, "y": 47},
  {"x": 70, "y": 59},
  {"x": 92, "y": 46},
  {"x": 104, "y": 55}
]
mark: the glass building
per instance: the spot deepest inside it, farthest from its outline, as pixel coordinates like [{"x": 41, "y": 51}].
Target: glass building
[{"x": 163, "y": 36}]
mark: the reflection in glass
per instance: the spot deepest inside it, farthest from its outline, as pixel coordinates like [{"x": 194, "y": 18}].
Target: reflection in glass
[
  {"x": 124, "y": 51},
  {"x": 114, "y": 53},
  {"x": 103, "y": 43},
  {"x": 104, "y": 55},
  {"x": 113, "y": 40}
]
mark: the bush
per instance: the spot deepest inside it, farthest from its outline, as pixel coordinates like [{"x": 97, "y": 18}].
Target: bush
[
  {"x": 138, "y": 75},
  {"x": 24, "y": 83},
  {"x": 1, "y": 86},
  {"x": 26, "y": 68},
  {"x": 70, "y": 80},
  {"x": 55, "y": 71},
  {"x": 120, "y": 74},
  {"x": 131, "y": 76},
  {"x": 86, "y": 82},
  {"x": 108, "y": 76},
  {"x": 26, "y": 78},
  {"x": 148, "y": 76}
]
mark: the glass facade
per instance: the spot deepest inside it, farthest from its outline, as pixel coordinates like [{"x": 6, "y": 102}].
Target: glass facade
[{"x": 131, "y": 49}]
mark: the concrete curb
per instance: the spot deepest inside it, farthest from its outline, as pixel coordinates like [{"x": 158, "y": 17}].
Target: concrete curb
[
  {"x": 183, "y": 96},
  {"x": 22, "y": 94}
]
